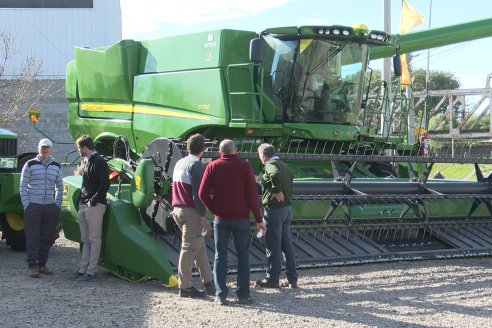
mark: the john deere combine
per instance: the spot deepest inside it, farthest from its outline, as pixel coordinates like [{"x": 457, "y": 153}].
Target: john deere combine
[
  {"x": 11, "y": 163},
  {"x": 362, "y": 191}
]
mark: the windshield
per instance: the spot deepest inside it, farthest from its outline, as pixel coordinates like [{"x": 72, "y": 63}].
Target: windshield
[{"x": 315, "y": 81}]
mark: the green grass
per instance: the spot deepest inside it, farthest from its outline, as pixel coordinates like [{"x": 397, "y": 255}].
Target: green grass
[{"x": 459, "y": 171}]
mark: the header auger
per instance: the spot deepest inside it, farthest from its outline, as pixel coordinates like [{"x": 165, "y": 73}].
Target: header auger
[{"x": 362, "y": 189}]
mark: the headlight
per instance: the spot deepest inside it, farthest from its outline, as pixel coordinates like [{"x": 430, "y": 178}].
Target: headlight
[{"x": 7, "y": 163}]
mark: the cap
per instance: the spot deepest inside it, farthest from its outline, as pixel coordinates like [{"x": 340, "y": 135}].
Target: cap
[{"x": 45, "y": 142}]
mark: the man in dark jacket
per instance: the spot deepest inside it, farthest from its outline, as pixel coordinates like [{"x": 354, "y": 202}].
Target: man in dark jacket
[
  {"x": 228, "y": 190},
  {"x": 92, "y": 206},
  {"x": 41, "y": 186},
  {"x": 276, "y": 183}
]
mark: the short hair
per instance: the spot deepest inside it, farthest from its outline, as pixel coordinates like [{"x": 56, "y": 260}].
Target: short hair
[
  {"x": 267, "y": 150},
  {"x": 227, "y": 147},
  {"x": 195, "y": 144},
  {"x": 86, "y": 141}
]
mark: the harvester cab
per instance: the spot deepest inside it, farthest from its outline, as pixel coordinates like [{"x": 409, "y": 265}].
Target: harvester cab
[
  {"x": 315, "y": 74},
  {"x": 302, "y": 89}
]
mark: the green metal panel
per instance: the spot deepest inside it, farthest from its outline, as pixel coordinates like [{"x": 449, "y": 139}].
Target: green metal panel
[
  {"x": 142, "y": 185},
  {"x": 322, "y": 131},
  {"x": 234, "y": 47},
  {"x": 106, "y": 74},
  {"x": 196, "y": 51},
  {"x": 71, "y": 92},
  {"x": 200, "y": 92},
  {"x": 93, "y": 125},
  {"x": 184, "y": 52},
  {"x": 128, "y": 244},
  {"x": 9, "y": 193},
  {"x": 175, "y": 103}
]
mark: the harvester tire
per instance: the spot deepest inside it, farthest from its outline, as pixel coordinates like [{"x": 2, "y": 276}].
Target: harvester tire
[
  {"x": 16, "y": 239},
  {"x": 21, "y": 161}
]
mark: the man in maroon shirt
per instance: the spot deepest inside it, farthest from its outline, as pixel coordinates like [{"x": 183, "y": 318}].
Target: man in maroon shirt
[{"x": 228, "y": 190}]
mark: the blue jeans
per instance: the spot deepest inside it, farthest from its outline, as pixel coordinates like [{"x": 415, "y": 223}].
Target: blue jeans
[
  {"x": 241, "y": 232},
  {"x": 278, "y": 240}
]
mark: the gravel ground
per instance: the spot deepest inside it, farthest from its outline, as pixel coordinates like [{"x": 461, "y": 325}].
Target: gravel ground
[{"x": 444, "y": 293}]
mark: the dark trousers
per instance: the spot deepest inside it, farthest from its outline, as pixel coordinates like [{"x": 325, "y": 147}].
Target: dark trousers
[
  {"x": 278, "y": 240},
  {"x": 242, "y": 238},
  {"x": 41, "y": 226}
]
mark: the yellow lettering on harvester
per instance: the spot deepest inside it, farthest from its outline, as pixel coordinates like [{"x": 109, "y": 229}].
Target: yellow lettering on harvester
[
  {"x": 92, "y": 107},
  {"x": 204, "y": 106}
]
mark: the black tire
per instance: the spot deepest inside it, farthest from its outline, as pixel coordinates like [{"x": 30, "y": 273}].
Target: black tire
[
  {"x": 21, "y": 161},
  {"x": 13, "y": 238},
  {"x": 382, "y": 169}
]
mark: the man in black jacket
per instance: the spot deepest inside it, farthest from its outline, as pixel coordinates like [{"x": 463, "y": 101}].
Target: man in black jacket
[{"x": 92, "y": 206}]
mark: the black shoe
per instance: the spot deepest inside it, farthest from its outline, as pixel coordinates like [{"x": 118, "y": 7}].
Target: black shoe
[
  {"x": 76, "y": 275},
  {"x": 86, "y": 277},
  {"x": 267, "y": 283},
  {"x": 221, "y": 301},
  {"x": 209, "y": 288},
  {"x": 286, "y": 283},
  {"x": 245, "y": 300},
  {"x": 191, "y": 292}
]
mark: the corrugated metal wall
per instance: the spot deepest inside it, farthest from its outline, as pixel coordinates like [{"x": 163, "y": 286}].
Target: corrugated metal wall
[{"x": 50, "y": 34}]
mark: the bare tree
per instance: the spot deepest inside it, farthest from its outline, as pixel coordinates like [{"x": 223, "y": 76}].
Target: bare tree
[{"x": 19, "y": 89}]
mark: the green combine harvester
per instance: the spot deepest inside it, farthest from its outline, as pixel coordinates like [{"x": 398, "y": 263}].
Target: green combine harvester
[
  {"x": 11, "y": 211},
  {"x": 362, "y": 191}
]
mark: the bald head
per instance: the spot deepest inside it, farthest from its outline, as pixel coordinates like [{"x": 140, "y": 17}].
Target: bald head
[{"x": 227, "y": 147}]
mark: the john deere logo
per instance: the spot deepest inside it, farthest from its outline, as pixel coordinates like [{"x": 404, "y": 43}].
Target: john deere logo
[
  {"x": 335, "y": 133},
  {"x": 65, "y": 190}
]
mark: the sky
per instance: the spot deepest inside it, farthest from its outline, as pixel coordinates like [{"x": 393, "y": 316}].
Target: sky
[{"x": 470, "y": 62}]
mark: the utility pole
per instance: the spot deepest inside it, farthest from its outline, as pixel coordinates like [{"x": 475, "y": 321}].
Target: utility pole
[{"x": 386, "y": 68}]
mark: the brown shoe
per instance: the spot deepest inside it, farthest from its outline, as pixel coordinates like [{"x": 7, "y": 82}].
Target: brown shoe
[
  {"x": 44, "y": 270},
  {"x": 286, "y": 283},
  {"x": 33, "y": 273}
]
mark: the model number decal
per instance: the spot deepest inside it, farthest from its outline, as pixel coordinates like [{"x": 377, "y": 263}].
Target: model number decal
[{"x": 204, "y": 106}]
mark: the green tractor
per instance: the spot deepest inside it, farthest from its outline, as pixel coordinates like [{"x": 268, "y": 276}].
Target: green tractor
[
  {"x": 362, "y": 188},
  {"x": 11, "y": 163}
]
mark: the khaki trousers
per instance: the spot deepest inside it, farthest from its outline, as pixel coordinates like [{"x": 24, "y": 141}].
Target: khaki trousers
[
  {"x": 192, "y": 247},
  {"x": 90, "y": 223}
]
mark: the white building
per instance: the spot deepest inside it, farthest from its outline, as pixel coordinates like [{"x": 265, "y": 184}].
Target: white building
[{"x": 48, "y": 30}]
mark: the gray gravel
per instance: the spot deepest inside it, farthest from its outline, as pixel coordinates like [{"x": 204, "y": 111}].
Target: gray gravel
[{"x": 444, "y": 293}]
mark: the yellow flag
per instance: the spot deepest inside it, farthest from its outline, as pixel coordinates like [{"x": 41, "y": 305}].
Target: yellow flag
[{"x": 409, "y": 19}]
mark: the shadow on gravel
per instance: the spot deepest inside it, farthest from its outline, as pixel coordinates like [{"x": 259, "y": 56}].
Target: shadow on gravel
[
  {"x": 56, "y": 301},
  {"x": 391, "y": 294},
  {"x": 382, "y": 295}
]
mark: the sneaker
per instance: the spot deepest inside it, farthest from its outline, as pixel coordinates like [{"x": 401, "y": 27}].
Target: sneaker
[
  {"x": 245, "y": 300},
  {"x": 209, "y": 288},
  {"x": 33, "y": 273},
  {"x": 44, "y": 270},
  {"x": 267, "y": 283},
  {"x": 221, "y": 301},
  {"x": 76, "y": 275},
  {"x": 191, "y": 292},
  {"x": 87, "y": 277},
  {"x": 287, "y": 283}
]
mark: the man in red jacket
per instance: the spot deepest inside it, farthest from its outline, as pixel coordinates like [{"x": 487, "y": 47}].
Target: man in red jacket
[{"x": 228, "y": 190}]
